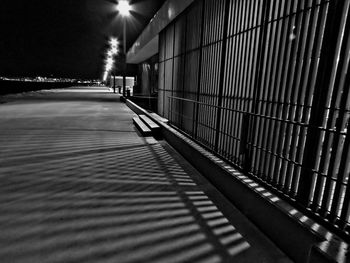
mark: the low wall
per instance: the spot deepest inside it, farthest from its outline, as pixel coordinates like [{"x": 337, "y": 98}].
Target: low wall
[
  {"x": 148, "y": 103},
  {"x": 11, "y": 87}
]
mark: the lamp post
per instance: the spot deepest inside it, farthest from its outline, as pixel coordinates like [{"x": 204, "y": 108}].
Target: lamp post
[{"x": 124, "y": 9}]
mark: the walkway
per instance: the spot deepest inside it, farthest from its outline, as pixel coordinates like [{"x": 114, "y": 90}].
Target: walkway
[{"x": 79, "y": 184}]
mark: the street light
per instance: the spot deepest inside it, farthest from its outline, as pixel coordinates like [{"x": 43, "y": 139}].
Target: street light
[
  {"x": 113, "y": 51},
  {"x": 114, "y": 42},
  {"x": 110, "y": 54},
  {"x": 109, "y": 62},
  {"x": 124, "y": 8}
]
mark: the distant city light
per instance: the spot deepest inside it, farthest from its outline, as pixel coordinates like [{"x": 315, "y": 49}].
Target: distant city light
[
  {"x": 123, "y": 7},
  {"x": 49, "y": 79}
]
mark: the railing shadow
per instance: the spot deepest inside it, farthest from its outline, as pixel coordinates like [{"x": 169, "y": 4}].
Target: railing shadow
[{"x": 74, "y": 198}]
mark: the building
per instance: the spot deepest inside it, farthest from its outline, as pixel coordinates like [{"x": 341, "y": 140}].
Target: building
[{"x": 265, "y": 86}]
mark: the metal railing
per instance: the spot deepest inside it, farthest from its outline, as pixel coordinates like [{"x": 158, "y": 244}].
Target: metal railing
[
  {"x": 263, "y": 157},
  {"x": 265, "y": 85}
]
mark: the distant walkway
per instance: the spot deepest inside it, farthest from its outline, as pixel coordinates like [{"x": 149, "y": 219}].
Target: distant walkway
[{"x": 79, "y": 184}]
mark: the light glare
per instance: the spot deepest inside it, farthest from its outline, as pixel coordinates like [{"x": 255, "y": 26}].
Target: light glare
[
  {"x": 110, "y": 61},
  {"x": 123, "y": 7},
  {"x": 114, "y": 51},
  {"x": 114, "y": 42}
]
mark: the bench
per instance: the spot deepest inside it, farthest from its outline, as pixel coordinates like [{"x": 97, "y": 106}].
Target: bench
[{"x": 142, "y": 127}]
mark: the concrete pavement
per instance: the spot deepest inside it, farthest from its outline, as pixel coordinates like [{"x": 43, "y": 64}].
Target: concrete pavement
[{"x": 79, "y": 184}]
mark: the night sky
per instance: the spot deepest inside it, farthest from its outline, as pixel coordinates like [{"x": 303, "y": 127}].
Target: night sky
[{"x": 64, "y": 38}]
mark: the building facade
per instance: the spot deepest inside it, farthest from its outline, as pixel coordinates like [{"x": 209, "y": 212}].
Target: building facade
[{"x": 264, "y": 85}]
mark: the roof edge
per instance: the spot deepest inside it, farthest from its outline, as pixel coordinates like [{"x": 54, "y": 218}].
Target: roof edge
[{"x": 165, "y": 15}]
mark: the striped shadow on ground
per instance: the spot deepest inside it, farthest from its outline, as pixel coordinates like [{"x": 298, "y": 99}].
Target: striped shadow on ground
[{"x": 116, "y": 197}]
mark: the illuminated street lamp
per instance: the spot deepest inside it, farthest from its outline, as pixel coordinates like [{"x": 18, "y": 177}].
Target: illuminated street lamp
[
  {"x": 108, "y": 67},
  {"x": 124, "y": 8},
  {"x": 114, "y": 42},
  {"x": 113, "y": 50},
  {"x": 109, "y": 53},
  {"x": 110, "y": 61}
]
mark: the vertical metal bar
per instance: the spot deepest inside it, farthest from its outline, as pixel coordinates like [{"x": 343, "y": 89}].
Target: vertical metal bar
[
  {"x": 250, "y": 47},
  {"x": 164, "y": 61},
  {"x": 294, "y": 136},
  {"x": 249, "y": 71},
  {"x": 234, "y": 93},
  {"x": 338, "y": 95},
  {"x": 321, "y": 18},
  {"x": 265, "y": 94},
  {"x": 217, "y": 96},
  {"x": 183, "y": 75},
  {"x": 341, "y": 177},
  {"x": 205, "y": 73},
  {"x": 269, "y": 96},
  {"x": 199, "y": 69},
  {"x": 259, "y": 71},
  {"x": 291, "y": 102},
  {"x": 226, "y": 139},
  {"x": 306, "y": 91},
  {"x": 246, "y": 96},
  {"x": 301, "y": 117},
  {"x": 252, "y": 149},
  {"x": 230, "y": 117},
  {"x": 344, "y": 167},
  {"x": 277, "y": 91},
  {"x": 343, "y": 121},
  {"x": 284, "y": 94},
  {"x": 206, "y": 80},
  {"x": 319, "y": 99},
  {"x": 222, "y": 71},
  {"x": 252, "y": 76},
  {"x": 243, "y": 88},
  {"x": 226, "y": 123},
  {"x": 238, "y": 85},
  {"x": 284, "y": 178},
  {"x": 170, "y": 102},
  {"x": 169, "y": 111}
]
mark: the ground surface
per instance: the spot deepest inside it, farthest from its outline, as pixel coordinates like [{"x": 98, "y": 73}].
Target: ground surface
[{"x": 79, "y": 184}]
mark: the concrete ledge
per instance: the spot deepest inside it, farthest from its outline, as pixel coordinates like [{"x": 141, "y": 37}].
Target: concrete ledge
[
  {"x": 300, "y": 237},
  {"x": 146, "y": 102},
  {"x": 134, "y": 107},
  {"x": 12, "y": 87}
]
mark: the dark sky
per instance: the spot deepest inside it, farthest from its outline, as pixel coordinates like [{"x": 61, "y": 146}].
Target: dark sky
[{"x": 64, "y": 38}]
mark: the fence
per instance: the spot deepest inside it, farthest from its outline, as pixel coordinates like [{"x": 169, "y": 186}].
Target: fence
[{"x": 265, "y": 85}]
